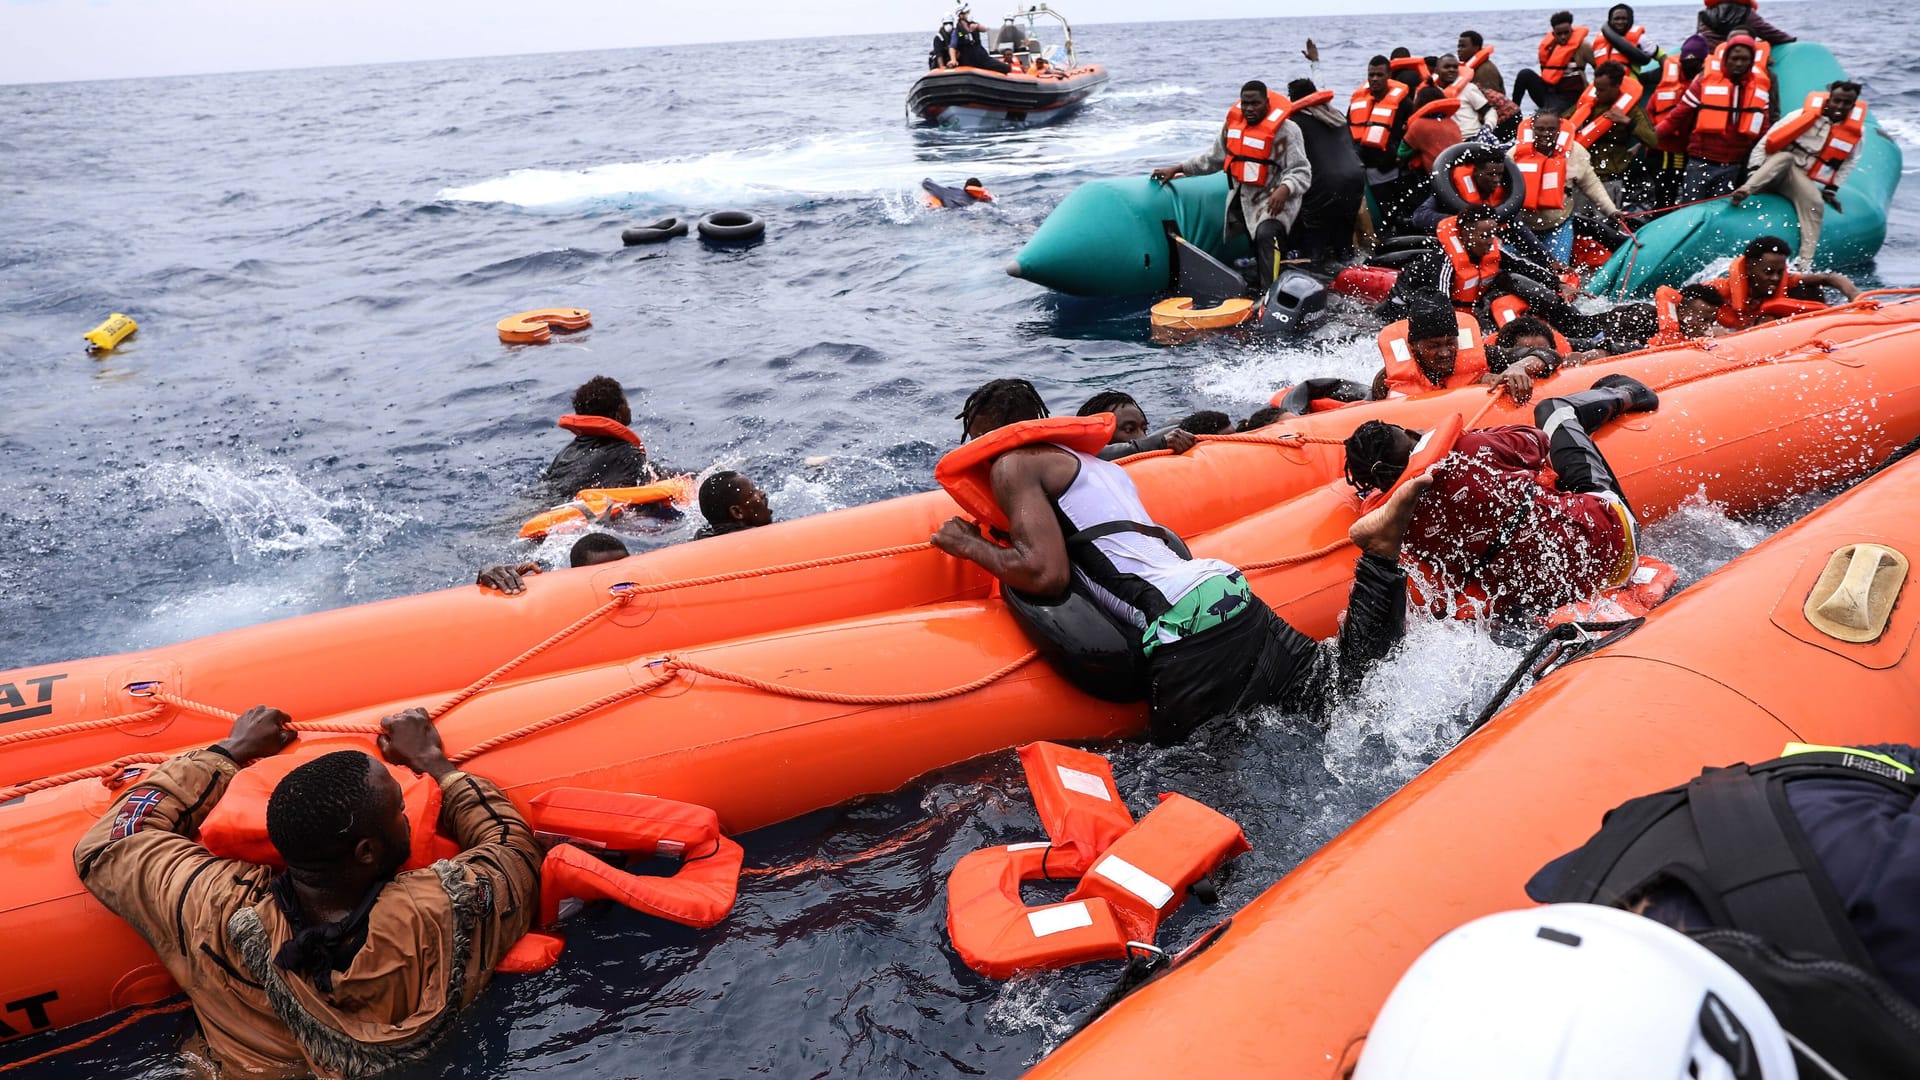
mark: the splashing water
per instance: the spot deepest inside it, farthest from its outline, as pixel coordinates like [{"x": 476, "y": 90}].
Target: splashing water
[{"x": 264, "y": 510}]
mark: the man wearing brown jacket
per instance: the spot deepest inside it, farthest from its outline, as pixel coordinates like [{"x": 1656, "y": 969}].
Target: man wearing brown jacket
[{"x": 339, "y": 966}]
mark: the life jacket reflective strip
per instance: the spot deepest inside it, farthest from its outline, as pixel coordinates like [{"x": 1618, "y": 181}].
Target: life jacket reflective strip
[
  {"x": 1469, "y": 278},
  {"x": 1673, "y": 83},
  {"x": 236, "y": 827},
  {"x": 1589, "y": 121},
  {"x": 1250, "y": 146},
  {"x": 1415, "y": 63},
  {"x": 600, "y": 425},
  {"x": 1469, "y": 191},
  {"x": 1720, "y": 114},
  {"x": 1079, "y": 806},
  {"x": 597, "y": 506},
  {"x": 966, "y": 472},
  {"x": 1145, "y": 874},
  {"x": 1842, "y": 137},
  {"x": 1507, "y": 308},
  {"x": 1404, "y": 376},
  {"x": 1545, "y": 176},
  {"x": 1556, "y": 62},
  {"x": 1370, "y": 121},
  {"x": 700, "y": 894},
  {"x": 1666, "y": 309},
  {"x": 1604, "y": 52},
  {"x": 999, "y": 936},
  {"x": 1730, "y": 839},
  {"x": 1742, "y": 309}
]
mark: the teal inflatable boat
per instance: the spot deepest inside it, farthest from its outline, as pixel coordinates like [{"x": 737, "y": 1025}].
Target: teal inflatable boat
[
  {"x": 1110, "y": 237},
  {"x": 1675, "y": 248}
]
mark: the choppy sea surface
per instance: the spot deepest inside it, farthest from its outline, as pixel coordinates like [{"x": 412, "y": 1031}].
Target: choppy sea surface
[{"x": 316, "y": 412}]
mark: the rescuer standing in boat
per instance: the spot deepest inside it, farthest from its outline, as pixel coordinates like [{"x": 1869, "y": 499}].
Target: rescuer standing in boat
[{"x": 1267, "y": 170}]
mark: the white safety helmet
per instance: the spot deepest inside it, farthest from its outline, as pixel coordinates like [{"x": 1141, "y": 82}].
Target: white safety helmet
[{"x": 1573, "y": 992}]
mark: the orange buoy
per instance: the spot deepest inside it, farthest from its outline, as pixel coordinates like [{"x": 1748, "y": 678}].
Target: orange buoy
[
  {"x": 534, "y": 327},
  {"x": 1178, "y": 313}
]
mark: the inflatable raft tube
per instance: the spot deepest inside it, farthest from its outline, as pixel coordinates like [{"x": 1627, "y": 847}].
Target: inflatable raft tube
[
  {"x": 1674, "y": 249},
  {"x": 1730, "y": 670},
  {"x": 1109, "y": 237},
  {"x": 719, "y": 589},
  {"x": 764, "y": 728}
]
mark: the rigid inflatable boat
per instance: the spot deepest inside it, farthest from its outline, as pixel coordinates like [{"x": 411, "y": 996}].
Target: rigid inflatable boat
[
  {"x": 1044, "y": 85},
  {"x": 1676, "y": 247},
  {"x": 811, "y": 707},
  {"x": 1730, "y": 670}
]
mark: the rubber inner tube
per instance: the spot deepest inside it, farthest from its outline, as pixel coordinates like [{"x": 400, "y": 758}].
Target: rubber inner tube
[
  {"x": 1397, "y": 259},
  {"x": 1479, "y": 154},
  {"x": 732, "y": 226},
  {"x": 664, "y": 229},
  {"x": 1635, "y": 57},
  {"x": 1411, "y": 242}
]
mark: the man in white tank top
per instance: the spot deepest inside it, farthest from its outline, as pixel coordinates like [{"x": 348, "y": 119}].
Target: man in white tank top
[{"x": 1212, "y": 646}]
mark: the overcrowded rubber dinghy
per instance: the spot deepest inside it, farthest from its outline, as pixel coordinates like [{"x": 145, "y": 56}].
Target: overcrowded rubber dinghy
[
  {"x": 1766, "y": 651},
  {"x": 808, "y": 711}
]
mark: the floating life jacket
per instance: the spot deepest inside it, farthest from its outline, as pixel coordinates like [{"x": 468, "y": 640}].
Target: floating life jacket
[
  {"x": 1370, "y": 120},
  {"x": 1742, "y": 308},
  {"x": 1842, "y": 138},
  {"x": 1604, "y": 52},
  {"x": 1589, "y": 121},
  {"x": 1556, "y": 61},
  {"x": 236, "y": 827},
  {"x": 979, "y": 192},
  {"x": 1132, "y": 875},
  {"x": 582, "y": 821},
  {"x": 598, "y": 506},
  {"x": 1666, "y": 309},
  {"x": 600, "y": 425},
  {"x": 1510, "y": 307},
  {"x": 1404, "y": 376},
  {"x": 1250, "y": 146},
  {"x": 1545, "y": 175},
  {"x": 966, "y": 472},
  {"x": 1730, "y": 107},
  {"x": 1469, "y": 278}
]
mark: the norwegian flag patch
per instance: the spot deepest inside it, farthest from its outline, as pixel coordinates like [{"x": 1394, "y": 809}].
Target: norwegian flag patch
[{"x": 134, "y": 811}]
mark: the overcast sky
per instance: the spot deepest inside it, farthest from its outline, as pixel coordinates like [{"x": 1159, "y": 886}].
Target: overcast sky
[{"x": 52, "y": 40}]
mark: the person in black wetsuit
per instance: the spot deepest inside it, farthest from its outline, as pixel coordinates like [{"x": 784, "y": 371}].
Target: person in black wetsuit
[
  {"x": 965, "y": 49},
  {"x": 1212, "y": 647},
  {"x": 605, "y": 452},
  {"x": 731, "y": 503}
]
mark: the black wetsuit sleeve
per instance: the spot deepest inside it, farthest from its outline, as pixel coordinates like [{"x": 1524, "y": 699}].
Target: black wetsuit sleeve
[
  {"x": 1143, "y": 445},
  {"x": 1376, "y": 621}
]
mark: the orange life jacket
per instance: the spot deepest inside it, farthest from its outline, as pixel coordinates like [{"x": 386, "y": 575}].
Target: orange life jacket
[
  {"x": 1673, "y": 83},
  {"x": 1132, "y": 874},
  {"x": 1404, "y": 376},
  {"x": 1604, "y": 52},
  {"x": 1842, "y": 138},
  {"x": 1545, "y": 175},
  {"x": 1415, "y": 63},
  {"x": 598, "y": 506},
  {"x": 1467, "y": 70},
  {"x": 1469, "y": 278},
  {"x": 1589, "y": 120},
  {"x": 600, "y": 425},
  {"x": 1463, "y": 184},
  {"x": 579, "y": 821},
  {"x": 1720, "y": 113},
  {"x": 1510, "y": 307},
  {"x": 1742, "y": 309},
  {"x": 1430, "y": 450},
  {"x": 236, "y": 827},
  {"x": 979, "y": 192},
  {"x": 1762, "y": 55},
  {"x": 1556, "y": 61},
  {"x": 1370, "y": 121},
  {"x": 1250, "y": 146},
  {"x": 1666, "y": 308},
  {"x": 966, "y": 472}
]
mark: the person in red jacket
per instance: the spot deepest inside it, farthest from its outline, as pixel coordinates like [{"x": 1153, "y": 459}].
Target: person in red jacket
[
  {"x": 1492, "y": 528},
  {"x": 1723, "y": 114}
]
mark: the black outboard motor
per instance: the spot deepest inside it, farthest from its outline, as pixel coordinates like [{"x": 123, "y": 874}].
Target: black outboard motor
[{"x": 1291, "y": 304}]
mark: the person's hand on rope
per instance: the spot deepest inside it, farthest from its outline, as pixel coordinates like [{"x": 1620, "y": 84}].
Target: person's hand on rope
[
  {"x": 410, "y": 739},
  {"x": 259, "y": 732}
]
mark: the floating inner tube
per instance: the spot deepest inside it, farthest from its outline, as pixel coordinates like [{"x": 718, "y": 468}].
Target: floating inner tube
[
  {"x": 1179, "y": 313},
  {"x": 732, "y": 227},
  {"x": 1475, "y": 154},
  {"x": 534, "y": 327},
  {"x": 664, "y": 229}
]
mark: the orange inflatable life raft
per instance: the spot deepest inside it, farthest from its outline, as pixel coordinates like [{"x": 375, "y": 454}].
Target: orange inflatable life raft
[
  {"x": 966, "y": 472},
  {"x": 740, "y": 671},
  {"x": 535, "y": 327},
  {"x": 1742, "y": 663},
  {"x": 599, "y": 506}
]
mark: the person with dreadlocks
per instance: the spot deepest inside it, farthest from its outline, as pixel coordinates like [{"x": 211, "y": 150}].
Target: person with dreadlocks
[
  {"x": 341, "y": 964},
  {"x": 1130, "y": 434},
  {"x": 1075, "y": 527},
  {"x": 1494, "y": 529}
]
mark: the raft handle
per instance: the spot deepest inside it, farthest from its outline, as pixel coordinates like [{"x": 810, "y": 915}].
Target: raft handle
[{"x": 142, "y": 689}]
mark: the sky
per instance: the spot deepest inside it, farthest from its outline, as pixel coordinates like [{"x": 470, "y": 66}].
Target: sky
[{"x": 60, "y": 40}]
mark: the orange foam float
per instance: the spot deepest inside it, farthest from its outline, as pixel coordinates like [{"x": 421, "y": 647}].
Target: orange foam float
[{"x": 534, "y": 327}]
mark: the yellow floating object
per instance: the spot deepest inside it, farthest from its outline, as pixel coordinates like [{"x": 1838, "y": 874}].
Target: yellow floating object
[
  {"x": 533, "y": 327},
  {"x": 1178, "y": 313},
  {"x": 108, "y": 334},
  {"x": 597, "y": 506}
]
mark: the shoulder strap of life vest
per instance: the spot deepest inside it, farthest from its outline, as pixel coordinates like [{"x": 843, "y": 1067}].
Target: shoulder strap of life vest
[
  {"x": 1109, "y": 528},
  {"x": 966, "y": 472},
  {"x": 1729, "y": 838}
]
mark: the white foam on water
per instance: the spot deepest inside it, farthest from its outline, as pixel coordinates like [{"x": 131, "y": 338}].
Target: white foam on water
[
  {"x": 1254, "y": 374},
  {"x": 853, "y": 163},
  {"x": 1905, "y": 132},
  {"x": 1158, "y": 90},
  {"x": 263, "y": 509}
]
